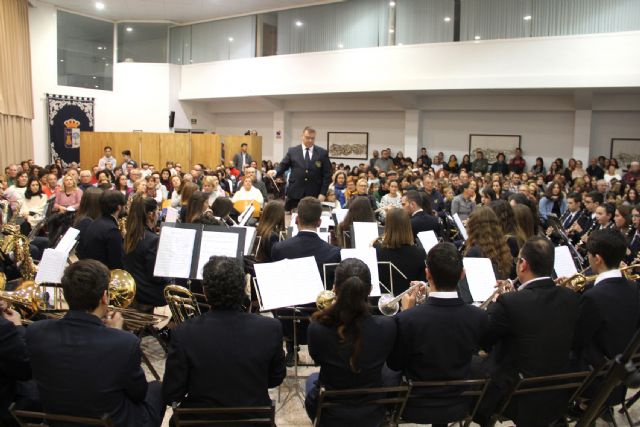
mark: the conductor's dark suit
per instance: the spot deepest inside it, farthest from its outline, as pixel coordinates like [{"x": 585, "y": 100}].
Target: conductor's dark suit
[
  {"x": 306, "y": 179},
  {"x": 532, "y": 330},
  {"x": 14, "y": 364},
  {"x": 102, "y": 241},
  {"x": 223, "y": 359},
  {"x": 84, "y": 368},
  {"x": 422, "y": 221},
  {"x": 436, "y": 341}
]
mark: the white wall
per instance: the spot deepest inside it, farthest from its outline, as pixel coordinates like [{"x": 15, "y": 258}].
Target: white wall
[
  {"x": 139, "y": 100},
  {"x": 608, "y": 124},
  {"x": 545, "y": 134},
  {"x": 238, "y": 124}
]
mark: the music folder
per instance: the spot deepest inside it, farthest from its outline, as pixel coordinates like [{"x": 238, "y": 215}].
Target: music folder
[{"x": 184, "y": 249}]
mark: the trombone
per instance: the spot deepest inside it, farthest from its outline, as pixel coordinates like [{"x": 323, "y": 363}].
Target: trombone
[{"x": 579, "y": 281}]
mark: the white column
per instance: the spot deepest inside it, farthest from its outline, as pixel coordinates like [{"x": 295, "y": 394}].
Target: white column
[
  {"x": 582, "y": 135},
  {"x": 412, "y": 128},
  {"x": 281, "y": 133}
]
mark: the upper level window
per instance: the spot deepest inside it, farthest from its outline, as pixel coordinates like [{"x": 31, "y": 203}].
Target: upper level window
[{"x": 142, "y": 42}]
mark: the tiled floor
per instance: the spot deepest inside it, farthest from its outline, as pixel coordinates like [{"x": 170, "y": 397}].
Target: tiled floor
[{"x": 292, "y": 413}]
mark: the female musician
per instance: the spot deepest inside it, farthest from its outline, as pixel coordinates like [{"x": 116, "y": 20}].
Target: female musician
[
  {"x": 362, "y": 193},
  {"x": 486, "y": 239},
  {"x": 69, "y": 196},
  {"x": 211, "y": 186},
  {"x": 350, "y": 345},
  {"x": 507, "y": 219},
  {"x": 359, "y": 211},
  {"x": 622, "y": 219},
  {"x": 140, "y": 249},
  {"x": 222, "y": 209},
  {"x": 197, "y": 207},
  {"x": 248, "y": 192},
  {"x": 32, "y": 208},
  {"x": 397, "y": 246},
  {"x": 269, "y": 228},
  {"x": 553, "y": 202},
  {"x": 88, "y": 211},
  {"x": 524, "y": 220}
]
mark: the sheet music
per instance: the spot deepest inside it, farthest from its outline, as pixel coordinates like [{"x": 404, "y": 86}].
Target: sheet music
[
  {"x": 172, "y": 214},
  {"x": 175, "y": 252},
  {"x": 365, "y": 234},
  {"x": 248, "y": 238},
  {"x": 428, "y": 239},
  {"x": 340, "y": 214},
  {"x": 325, "y": 235},
  {"x": 51, "y": 266},
  {"x": 326, "y": 221},
  {"x": 480, "y": 277},
  {"x": 67, "y": 242},
  {"x": 563, "y": 262},
  {"x": 216, "y": 243},
  {"x": 323, "y": 225},
  {"x": 301, "y": 285},
  {"x": 244, "y": 216},
  {"x": 461, "y": 226},
  {"x": 369, "y": 257}
]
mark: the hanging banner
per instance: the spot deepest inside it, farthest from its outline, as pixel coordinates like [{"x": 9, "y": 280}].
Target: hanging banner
[{"x": 68, "y": 117}]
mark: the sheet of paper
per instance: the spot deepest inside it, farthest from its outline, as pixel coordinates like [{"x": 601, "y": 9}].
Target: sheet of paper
[
  {"x": 246, "y": 215},
  {"x": 324, "y": 225},
  {"x": 326, "y": 221},
  {"x": 216, "y": 243},
  {"x": 51, "y": 266},
  {"x": 68, "y": 241},
  {"x": 461, "y": 226},
  {"x": 326, "y": 236},
  {"x": 172, "y": 214},
  {"x": 248, "y": 239},
  {"x": 340, "y": 214},
  {"x": 302, "y": 284},
  {"x": 369, "y": 257},
  {"x": 175, "y": 252},
  {"x": 480, "y": 276},
  {"x": 365, "y": 233},
  {"x": 563, "y": 262},
  {"x": 428, "y": 239}
]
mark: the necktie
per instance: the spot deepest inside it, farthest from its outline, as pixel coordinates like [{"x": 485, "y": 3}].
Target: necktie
[{"x": 307, "y": 158}]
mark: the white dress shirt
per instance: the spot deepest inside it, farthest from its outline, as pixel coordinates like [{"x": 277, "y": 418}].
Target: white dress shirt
[
  {"x": 525, "y": 284},
  {"x": 608, "y": 275}
]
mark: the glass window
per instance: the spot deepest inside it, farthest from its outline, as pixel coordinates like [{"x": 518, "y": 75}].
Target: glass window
[
  {"x": 226, "y": 39},
  {"x": 142, "y": 42},
  {"x": 180, "y": 45},
  {"x": 424, "y": 21},
  {"x": 85, "y": 52}
]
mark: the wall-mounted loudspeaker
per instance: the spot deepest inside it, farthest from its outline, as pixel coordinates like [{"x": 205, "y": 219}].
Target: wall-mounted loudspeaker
[{"x": 172, "y": 117}]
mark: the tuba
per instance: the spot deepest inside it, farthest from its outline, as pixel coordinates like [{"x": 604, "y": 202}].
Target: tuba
[
  {"x": 182, "y": 303},
  {"x": 17, "y": 243},
  {"x": 26, "y": 299},
  {"x": 122, "y": 288}
]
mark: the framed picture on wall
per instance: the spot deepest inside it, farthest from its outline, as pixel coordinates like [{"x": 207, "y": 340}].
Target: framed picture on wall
[
  {"x": 625, "y": 150},
  {"x": 348, "y": 145},
  {"x": 492, "y": 145}
]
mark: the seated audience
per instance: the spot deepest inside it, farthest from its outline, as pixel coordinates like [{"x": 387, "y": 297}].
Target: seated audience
[{"x": 68, "y": 197}]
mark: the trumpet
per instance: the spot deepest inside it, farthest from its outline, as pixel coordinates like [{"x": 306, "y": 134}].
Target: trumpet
[
  {"x": 390, "y": 305},
  {"x": 500, "y": 289}
]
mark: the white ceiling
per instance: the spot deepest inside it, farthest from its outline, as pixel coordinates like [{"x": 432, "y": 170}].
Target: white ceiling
[{"x": 178, "y": 11}]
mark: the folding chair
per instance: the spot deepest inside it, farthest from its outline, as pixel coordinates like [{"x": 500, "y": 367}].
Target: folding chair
[
  {"x": 40, "y": 418},
  {"x": 258, "y": 415}
]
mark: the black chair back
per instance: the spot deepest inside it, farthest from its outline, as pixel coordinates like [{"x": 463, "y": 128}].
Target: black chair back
[
  {"x": 40, "y": 419},
  {"x": 249, "y": 415}
]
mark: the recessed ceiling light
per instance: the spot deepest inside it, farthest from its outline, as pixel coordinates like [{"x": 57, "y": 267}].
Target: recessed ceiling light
[
  {"x": 400, "y": 44},
  {"x": 99, "y": 47},
  {"x": 93, "y": 77},
  {"x": 129, "y": 29},
  {"x": 477, "y": 37},
  {"x": 230, "y": 39},
  {"x": 299, "y": 23},
  {"x": 99, "y": 6},
  {"x": 527, "y": 18},
  {"x": 62, "y": 60},
  {"x": 447, "y": 19},
  {"x": 392, "y": 3},
  {"x": 340, "y": 45},
  {"x": 391, "y": 30},
  {"x": 97, "y": 87}
]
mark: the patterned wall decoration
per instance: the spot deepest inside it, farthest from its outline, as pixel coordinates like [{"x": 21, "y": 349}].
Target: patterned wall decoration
[{"x": 69, "y": 116}]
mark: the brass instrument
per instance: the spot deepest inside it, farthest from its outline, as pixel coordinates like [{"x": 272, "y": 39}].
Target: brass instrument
[
  {"x": 26, "y": 299},
  {"x": 500, "y": 289},
  {"x": 182, "y": 303},
  {"x": 627, "y": 271},
  {"x": 578, "y": 281},
  {"x": 17, "y": 243},
  {"x": 122, "y": 291},
  {"x": 325, "y": 299},
  {"x": 122, "y": 226}
]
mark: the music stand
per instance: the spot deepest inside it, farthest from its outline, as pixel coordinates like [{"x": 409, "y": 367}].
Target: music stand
[{"x": 555, "y": 223}]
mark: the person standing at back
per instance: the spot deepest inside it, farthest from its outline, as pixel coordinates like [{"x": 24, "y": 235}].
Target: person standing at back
[
  {"x": 242, "y": 159},
  {"x": 310, "y": 170}
]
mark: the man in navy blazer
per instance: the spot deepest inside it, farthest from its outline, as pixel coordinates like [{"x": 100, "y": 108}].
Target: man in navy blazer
[
  {"x": 310, "y": 170},
  {"x": 305, "y": 243},
  {"x": 437, "y": 340},
  {"x": 85, "y": 364},
  {"x": 414, "y": 203},
  {"x": 102, "y": 240}
]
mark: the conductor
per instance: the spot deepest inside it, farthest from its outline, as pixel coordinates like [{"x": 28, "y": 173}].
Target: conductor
[{"x": 310, "y": 170}]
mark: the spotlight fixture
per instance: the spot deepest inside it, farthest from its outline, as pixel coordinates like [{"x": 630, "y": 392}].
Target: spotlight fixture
[
  {"x": 447, "y": 19},
  {"x": 527, "y": 18},
  {"x": 99, "y": 5},
  {"x": 129, "y": 29},
  {"x": 299, "y": 23},
  {"x": 477, "y": 37}
]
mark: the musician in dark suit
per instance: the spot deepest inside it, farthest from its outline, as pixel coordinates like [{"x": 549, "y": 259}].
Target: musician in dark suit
[
  {"x": 14, "y": 365},
  {"x": 414, "y": 203},
  {"x": 242, "y": 159},
  {"x": 573, "y": 215},
  {"x": 310, "y": 170},
  {"x": 436, "y": 340},
  {"x": 351, "y": 347},
  {"x": 610, "y": 310},
  {"x": 206, "y": 366},
  {"x": 305, "y": 243},
  {"x": 531, "y": 331},
  {"x": 102, "y": 241},
  {"x": 84, "y": 364}
]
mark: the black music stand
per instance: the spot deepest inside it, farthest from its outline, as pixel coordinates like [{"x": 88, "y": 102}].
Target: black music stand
[{"x": 554, "y": 222}]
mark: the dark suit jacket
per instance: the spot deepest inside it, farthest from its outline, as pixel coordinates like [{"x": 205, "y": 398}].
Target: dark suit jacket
[
  {"x": 436, "y": 341},
  {"x": 532, "y": 330},
  {"x": 140, "y": 263},
  {"x": 237, "y": 161},
  {"x": 378, "y": 336},
  {"x": 409, "y": 259},
  {"x": 306, "y": 180},
  {"x": 422, "y": 221},
  {"x": 609, "y": 316},
  {"x": 102, "y": 241},
  {"x": 304, "y": 244},
  {"x": 84, "y": 368},
  {"x": 14, "y": 363},
  {"x": 82, "y": 225},
  {"x": 224, "y": 358}
]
